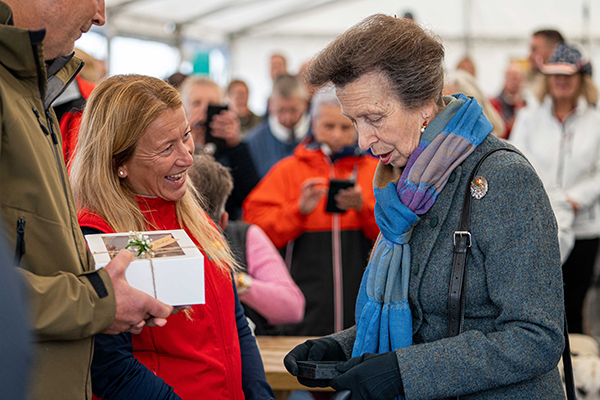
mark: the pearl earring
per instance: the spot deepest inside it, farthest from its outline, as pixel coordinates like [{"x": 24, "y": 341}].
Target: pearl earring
[
  {"x": 121, "y": 173},
  {"x": 424, "y": 126}
]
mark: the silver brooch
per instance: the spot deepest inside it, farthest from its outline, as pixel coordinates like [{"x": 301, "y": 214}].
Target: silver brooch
[{"x": 479, "y": 187}]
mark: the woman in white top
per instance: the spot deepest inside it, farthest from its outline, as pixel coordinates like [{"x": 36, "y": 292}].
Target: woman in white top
[{"x": 561, "y": 137}]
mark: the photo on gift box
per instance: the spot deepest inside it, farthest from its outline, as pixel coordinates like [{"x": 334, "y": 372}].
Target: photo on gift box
[{"x": 118, "y": 243}]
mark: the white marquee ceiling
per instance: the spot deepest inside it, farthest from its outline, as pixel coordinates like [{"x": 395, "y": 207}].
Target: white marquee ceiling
[{"x": 218, "y": 21}]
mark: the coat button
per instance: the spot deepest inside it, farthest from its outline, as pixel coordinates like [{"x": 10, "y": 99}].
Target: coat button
[
  {"x": 415, "y": 269},
  {"x": 433, "y": 222},
  {"x": 452, "y": 177}
]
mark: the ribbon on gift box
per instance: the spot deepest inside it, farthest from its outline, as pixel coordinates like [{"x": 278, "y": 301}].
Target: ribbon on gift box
[{"x": 147, "y": 248}]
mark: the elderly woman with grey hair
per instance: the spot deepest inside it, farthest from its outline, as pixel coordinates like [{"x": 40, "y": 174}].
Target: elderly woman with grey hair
[
  {"x": 327, "y": 251},
  {"x": 415, "y": 338}
]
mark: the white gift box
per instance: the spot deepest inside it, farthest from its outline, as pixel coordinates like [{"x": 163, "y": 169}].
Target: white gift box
[{"x": 178, "y": 276}]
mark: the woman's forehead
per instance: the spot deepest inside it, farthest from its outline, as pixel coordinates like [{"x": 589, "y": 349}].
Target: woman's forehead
[{"x": 169, "y": 124}]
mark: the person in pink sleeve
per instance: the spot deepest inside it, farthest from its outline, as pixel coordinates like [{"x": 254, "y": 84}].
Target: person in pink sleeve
[{"x": 269, "y": 295}]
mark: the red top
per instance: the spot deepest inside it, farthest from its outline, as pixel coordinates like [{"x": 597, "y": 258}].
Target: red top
[
  {"x": 273, "y": 204},
  {"x": 199, "y": 358},
  {"x": 70, "y": 122}
]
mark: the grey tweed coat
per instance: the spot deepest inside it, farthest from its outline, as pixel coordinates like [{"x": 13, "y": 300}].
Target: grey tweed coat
[{"x": 512, "y": 337}]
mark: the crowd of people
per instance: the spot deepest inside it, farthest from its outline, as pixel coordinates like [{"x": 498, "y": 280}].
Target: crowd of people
[{"x": 335, "y": 215}]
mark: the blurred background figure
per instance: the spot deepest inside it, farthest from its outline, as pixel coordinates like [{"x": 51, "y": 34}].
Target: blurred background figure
[
  {"x": 541, "y": 46},
  {"x": 461, "y": 81},
  {"x": 561, "y": 136},
  {"x": 197, "y": 93},
  {"x": 467, "y": 65},
  {"x": 269, "y": 295},
  {"x": 509, "y": 101},
  {"x": 69, "y": 105},
  {"x": 326, "y": 252},
  {"x": 237, "y": 94},
  {"x": 286, "y": 126},
  {"x": 310, "y": 91},
  {"x": 409, "y": 15},
  {"x": 94, "y": 70},
  {"x": 278, "y": 65},
  {"x": 176, "y": 79}
]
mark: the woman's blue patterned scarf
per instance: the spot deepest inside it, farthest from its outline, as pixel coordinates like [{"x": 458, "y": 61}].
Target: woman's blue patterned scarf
[{"x": 383, "y": 317}]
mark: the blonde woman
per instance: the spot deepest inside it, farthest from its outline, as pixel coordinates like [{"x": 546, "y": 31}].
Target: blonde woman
[
  {"x": 130, "y": 173},
  {"x": 561, "y": 137}
]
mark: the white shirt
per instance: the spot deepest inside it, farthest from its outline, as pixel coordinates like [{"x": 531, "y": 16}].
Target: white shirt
[
  {"x": 283, "y": 134},
  {"x": 566, "y": 155}
]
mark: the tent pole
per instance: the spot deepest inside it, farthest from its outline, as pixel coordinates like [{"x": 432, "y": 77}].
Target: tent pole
[
  {"x": 179, "y": 44},
  {"x": 109, "y": 29},
  {"x": 468, "y": 11},
  {"x": 586, "y": 35}
]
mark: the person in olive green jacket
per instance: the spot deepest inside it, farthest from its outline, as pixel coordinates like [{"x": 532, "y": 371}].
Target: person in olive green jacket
[{"x": 70, "y": 300}]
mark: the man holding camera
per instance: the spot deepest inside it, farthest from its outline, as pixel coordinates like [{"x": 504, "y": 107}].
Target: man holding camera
[{"x": 216, "y": 130}]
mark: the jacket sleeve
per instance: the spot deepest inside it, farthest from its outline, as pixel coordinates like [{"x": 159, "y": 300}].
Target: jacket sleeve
[
  {"x": 587, "y": 191},
  {"x": 117, "y": 375},
  {"x": 563, "y": 211},
  {"x": 346, "y": 339},
  {"x": 367, "y": 212},
  {"x": 65, "y": 306},
  {"x": 521, "y": 128},
  {"x": 254, "y": 381},
  {"x": 70, "y": 307},
  {"x": 273, "y": 206},
  {"x": 516, "y": 277},
  {"x": 273, "y": 293}
]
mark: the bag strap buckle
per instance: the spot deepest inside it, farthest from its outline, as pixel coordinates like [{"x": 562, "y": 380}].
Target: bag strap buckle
[{"x": 462, "y": 233}]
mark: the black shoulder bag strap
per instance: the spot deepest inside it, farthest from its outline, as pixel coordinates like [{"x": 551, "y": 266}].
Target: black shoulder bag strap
[{"x": 456, "y": 298}]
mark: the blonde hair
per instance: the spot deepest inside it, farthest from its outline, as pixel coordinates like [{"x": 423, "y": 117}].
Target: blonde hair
[
  {"x": 463, "y": 82},
  {"x": 116, "y": 116},
  {"x": 588, "y": 89}
]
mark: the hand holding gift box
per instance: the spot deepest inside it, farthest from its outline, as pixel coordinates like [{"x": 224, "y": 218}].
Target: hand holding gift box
[{"x": 168, "y": 265}]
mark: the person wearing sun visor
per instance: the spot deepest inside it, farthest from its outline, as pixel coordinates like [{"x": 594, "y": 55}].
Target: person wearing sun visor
[{"x": 561, "y": 137}]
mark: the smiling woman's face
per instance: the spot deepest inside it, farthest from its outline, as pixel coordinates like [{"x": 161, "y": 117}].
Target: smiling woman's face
[
  {"x": 384, "y": 125},
  {"x": 564, "y": 87},
  {"x": 161, "y": 158}
]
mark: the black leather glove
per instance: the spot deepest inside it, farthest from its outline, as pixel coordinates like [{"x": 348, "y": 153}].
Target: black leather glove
[
  {"x": 323, "y": 349},
  {"x": 370, "y": 376}
]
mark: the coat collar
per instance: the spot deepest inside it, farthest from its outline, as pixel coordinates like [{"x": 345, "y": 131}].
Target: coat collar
[
  {"x": 16, "y": 44},
  {"x": 283, "y": 134}
]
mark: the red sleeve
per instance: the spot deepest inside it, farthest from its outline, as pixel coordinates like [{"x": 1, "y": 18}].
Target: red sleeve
[
  {"x": 273, "y": 206},
  {"x": 89, "y": 219},
  {"x": 367, "y": 212}
]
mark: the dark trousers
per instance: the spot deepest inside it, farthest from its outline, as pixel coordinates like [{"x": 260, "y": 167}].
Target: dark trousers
[{"x": 577, "y": 275}]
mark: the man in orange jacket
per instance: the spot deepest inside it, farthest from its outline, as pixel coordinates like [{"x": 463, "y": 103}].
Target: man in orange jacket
[{"x": 326, "y": 251}]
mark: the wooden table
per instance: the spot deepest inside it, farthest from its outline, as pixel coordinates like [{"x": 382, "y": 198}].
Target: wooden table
[{"x": 273, "y": 349}]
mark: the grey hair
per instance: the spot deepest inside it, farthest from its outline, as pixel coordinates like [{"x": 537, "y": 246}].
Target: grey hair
[
  {"x": 288, "y": 86},
  {"x": 197, "y": 80},
  {"x": 323, "y": 97}
]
